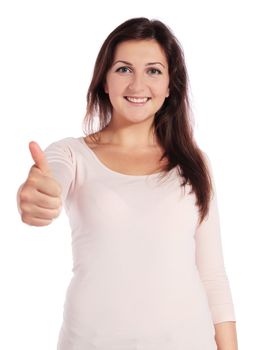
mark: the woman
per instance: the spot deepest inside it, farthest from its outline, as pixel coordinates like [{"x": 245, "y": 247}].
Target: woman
[{"x": 148, "y": 265}]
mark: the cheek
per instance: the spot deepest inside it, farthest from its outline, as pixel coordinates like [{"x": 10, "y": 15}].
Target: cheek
[
  {"x": 116, "y": 86},
  {"x": 160, "y": 87},
  {"x": 161, "y": 92}
]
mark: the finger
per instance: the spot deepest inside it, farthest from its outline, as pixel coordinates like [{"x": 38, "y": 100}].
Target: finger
[
  {"x": 39, "y": 158},
  {"x": 35, "y": 221},
  {"x": 33, "y": 211}
]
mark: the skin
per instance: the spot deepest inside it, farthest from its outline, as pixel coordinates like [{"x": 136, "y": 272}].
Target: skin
[
  {"x": 130, "y": 125},
  {"x": 226, "y": 335}
]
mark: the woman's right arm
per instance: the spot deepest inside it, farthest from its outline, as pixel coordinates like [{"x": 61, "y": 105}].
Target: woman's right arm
[{"x": 40, "y": 197}]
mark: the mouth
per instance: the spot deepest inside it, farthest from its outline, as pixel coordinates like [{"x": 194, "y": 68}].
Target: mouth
[{"x": 139, "y": 101}]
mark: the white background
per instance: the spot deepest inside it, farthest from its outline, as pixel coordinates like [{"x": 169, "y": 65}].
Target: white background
[{"x": 48, "y": 49}]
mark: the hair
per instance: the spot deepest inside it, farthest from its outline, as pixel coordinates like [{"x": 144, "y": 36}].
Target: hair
[{"x": 172, "y": 123}]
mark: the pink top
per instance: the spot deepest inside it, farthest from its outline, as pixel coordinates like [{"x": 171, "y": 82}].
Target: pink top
[{"x": 145, "y": 275}]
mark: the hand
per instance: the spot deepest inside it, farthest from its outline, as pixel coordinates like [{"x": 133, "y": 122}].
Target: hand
[{"x": 40, "y": 196}]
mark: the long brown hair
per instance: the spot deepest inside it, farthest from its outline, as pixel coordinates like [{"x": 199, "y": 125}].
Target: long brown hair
[{"x": 172, "y": 123}]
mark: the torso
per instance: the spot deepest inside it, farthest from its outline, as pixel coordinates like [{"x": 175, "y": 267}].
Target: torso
[{"x": 131, "y": 162}]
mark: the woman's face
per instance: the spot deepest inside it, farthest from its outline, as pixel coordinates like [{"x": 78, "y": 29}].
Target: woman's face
[{"x": 139, "y": 70}]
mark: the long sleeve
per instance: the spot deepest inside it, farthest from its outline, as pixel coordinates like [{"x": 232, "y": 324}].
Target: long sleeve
[
  {"x": 210, "y": 262},
  {"x": 62, "y": 164}
]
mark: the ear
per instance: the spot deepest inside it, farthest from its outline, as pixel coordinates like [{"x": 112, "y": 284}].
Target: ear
[{"x": 168, "y": 93}]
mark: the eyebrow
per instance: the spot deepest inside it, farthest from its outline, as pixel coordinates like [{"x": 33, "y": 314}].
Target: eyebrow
[{"x": 148, "y": 64}]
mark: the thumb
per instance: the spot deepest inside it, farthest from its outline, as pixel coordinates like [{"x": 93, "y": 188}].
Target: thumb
[{"x": 39, "y": 158}]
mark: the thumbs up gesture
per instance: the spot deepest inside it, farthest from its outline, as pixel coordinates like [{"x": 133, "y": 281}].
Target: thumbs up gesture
[
  {"x": 39, "y": 197},
  {"x": 39, "y": 158}
]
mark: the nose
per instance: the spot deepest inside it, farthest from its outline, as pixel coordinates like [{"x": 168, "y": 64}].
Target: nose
[{"x": 137, "y": 83}]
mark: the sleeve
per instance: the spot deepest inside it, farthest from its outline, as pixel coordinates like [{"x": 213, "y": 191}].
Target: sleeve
[
  {"x": 210, "y": 261},
  {"x": 61, "y": 161}
]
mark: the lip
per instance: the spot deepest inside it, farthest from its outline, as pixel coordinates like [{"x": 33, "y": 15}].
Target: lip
[
  {"x": 137, "y": 96},
  {"x": 126, "y": 98},
  {"x": 137, "y": 104}
]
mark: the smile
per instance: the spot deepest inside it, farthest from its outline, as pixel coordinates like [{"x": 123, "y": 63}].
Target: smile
[{"x": 138, "y": 101}]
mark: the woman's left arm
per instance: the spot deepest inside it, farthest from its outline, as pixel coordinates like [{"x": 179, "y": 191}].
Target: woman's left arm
[
  {"x": 211, "y": 267},
  {"x": 226, "y": 336}
]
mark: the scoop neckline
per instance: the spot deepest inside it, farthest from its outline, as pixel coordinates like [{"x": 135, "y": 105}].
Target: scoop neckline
[{"x": 81, "y": 138}]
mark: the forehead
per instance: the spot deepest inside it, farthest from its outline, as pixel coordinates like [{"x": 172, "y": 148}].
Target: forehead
[{"x": 134, "y": 50}]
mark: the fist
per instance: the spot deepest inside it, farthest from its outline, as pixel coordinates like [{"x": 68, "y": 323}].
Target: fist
[{"x": 39, "y": 198}]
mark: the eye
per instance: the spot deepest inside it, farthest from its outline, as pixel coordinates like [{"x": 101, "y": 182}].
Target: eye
[
  {"x": 156, "y": 70},
  {"x": 118, "y": 70}
]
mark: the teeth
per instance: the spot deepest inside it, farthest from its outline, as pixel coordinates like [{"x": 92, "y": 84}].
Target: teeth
[{"x": 137, "y": 100}]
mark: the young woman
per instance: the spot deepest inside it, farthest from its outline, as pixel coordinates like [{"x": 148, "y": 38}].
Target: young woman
[{"x": 139, "y": 193}]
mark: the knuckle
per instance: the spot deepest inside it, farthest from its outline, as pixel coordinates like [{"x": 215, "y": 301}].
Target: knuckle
[
  {"x": 24, "y": 194},
  {"x": 26, "y": 219},
  {"x": 34, "y": 169},
  {"x": 21, "y": 205},
  {"x": 32, "y": 180},
  {"x": 25, "y": 208}
]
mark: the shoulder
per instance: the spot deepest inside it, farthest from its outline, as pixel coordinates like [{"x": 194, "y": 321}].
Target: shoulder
[
  {"x": 64, "y": 143},
  {"x": 64, "y": 148}
]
